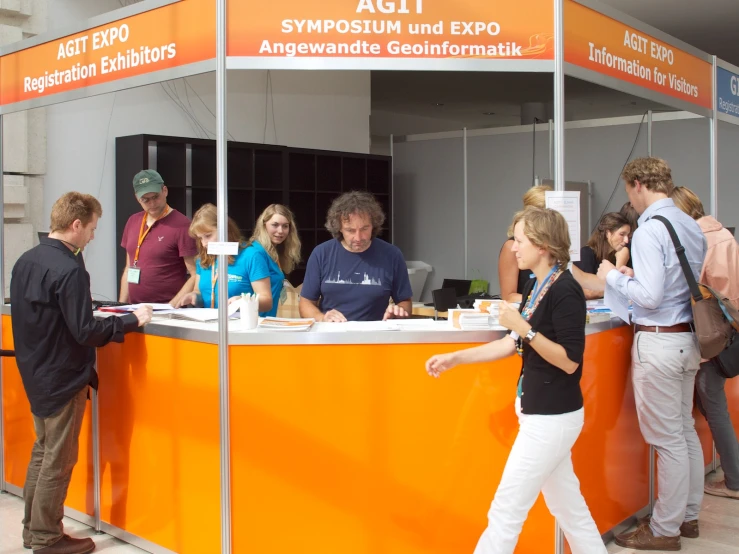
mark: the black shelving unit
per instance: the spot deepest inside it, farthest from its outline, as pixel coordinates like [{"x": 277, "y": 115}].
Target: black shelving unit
[{"x": 258, "y": 175}]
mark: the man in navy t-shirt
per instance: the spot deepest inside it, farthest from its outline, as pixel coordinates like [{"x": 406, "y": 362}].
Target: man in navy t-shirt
[{"x": 353, "y": 276}]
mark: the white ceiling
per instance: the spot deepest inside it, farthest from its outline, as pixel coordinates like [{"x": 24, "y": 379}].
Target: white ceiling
[{"x": 408, "y": 102}]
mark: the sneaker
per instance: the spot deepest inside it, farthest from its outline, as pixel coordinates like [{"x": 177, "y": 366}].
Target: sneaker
[
  {"x": 719, "y": 488},
  {"x": 644, "y": 539}
]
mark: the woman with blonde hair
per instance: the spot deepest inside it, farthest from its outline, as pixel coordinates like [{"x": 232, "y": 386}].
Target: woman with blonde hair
[
  {"x": 548, "y": 332},
  {"x": 510, "y": 278},
  {"x": 248, "y": 271}
]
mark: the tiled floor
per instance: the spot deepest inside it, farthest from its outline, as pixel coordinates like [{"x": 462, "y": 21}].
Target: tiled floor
[
  {"x": 719, "y": 527},
  {"x": 11, "y": 515}
]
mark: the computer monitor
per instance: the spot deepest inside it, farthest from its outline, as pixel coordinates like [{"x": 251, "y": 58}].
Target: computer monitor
[{"x": 461, "y": 286}]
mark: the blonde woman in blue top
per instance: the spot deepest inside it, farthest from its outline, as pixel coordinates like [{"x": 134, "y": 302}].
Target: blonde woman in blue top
[
  {"x": 248, "y": 271},
  {"x": 276, "y": 233}
]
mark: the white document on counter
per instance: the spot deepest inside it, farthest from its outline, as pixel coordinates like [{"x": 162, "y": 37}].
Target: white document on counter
[
  {"x": 134, "y": 307},
  {"x": 567, "y": 202},
  {"x": 617, "y": 303}
]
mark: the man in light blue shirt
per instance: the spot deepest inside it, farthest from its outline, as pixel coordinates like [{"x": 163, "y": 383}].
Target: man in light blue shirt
[{"x": 665, "y": 354}]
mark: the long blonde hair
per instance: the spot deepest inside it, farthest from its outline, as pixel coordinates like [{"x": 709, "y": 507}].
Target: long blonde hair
[
  {"x": 205, "y": 220},
  {"x": 287, "y": 254}
]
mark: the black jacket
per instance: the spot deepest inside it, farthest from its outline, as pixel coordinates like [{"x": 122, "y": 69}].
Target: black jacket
[
  {"x": 560, "y": 317},
  {"x": 54, "y": 331}
]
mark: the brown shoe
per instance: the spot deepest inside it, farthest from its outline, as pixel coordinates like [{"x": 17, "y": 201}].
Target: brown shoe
[
  {"x": 719, "y": 488},
  {"x": 68, "y": 545},
  {"x": 643, "y": 539},
  {"x": 688, "y": 529}
]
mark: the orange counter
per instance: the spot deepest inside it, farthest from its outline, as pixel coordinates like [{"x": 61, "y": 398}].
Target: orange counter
[{"x": 335, "y": 447}]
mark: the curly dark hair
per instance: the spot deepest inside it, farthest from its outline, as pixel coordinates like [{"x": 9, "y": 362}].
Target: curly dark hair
[{"x": 355, "y": 202}]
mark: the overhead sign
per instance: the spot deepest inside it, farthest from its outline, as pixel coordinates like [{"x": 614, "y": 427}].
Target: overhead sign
[
  {"x": 171, "y": 36},
  {"x": 597, "y": 42},
  {"x": 400, "y": 29},
  {"x": 727, "y": 92}
]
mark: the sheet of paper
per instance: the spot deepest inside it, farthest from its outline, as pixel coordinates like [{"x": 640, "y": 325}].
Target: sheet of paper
[
  {"x": 567, "y": 202},
  {"x": 225, "y": 248},
  {"x": 194, "y": 314},
  {"x": 617, "y": 302},
  {"x": 154, "y": 306}
]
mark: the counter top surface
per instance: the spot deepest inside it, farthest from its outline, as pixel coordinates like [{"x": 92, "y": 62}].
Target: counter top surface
[{"x": 411, "y": 331}]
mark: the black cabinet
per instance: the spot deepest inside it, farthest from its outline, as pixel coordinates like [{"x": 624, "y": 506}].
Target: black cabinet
[{"x": 258, "y": 175}]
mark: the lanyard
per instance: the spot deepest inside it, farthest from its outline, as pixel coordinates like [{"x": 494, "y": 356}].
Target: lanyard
[
  {"x": 143, "y": 233},
  {"x": 213, "y": 280},
  {"x": 539, "y": 290}
]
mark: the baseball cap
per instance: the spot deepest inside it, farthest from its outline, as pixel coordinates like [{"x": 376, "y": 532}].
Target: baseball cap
[{"x": 147, "y": 181}]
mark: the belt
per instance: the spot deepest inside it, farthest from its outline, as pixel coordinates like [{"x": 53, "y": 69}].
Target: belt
[{"x": 679, "y": 328}]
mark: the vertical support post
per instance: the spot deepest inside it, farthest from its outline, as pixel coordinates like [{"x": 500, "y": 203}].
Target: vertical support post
[
  {"x": 392, "y": 189},
  {"x": 551, "y": 149},
  {"x": 96, "y": 484},
  {"x": 649, "y": 133},
  {"x": 559, "y": 96},
  {"x": 559, "y": 148},
  {"x": 2, "y": 303},
  {"x": 222, "y": 199},
  {"x": 464, "y": 162},
  {"x": 714, "y": 148}
]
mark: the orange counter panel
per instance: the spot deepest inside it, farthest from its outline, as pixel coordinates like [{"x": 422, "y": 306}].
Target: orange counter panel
[
  {"x": 159, "y": 441},
  {"x": 355, "y": 449},
  {"x": 19, "y": 435}
]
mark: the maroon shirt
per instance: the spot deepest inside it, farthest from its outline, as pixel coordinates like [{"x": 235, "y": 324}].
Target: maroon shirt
[{"x": 163, "y": 270}]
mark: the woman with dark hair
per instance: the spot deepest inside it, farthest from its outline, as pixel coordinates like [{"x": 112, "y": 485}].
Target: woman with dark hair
[
  {"x": 608, "y": 242},
  {"x": 353, "y": 276},
  {"x": 548, "y": 331}
]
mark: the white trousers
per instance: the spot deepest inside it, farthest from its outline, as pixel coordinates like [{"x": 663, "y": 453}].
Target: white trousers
[{"x": 540, "y": 461}]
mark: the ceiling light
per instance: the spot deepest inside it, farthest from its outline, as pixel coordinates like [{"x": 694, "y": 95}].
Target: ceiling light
[
  {"x": 438, "y": 104},
  {"x": 488, "y": 113}
]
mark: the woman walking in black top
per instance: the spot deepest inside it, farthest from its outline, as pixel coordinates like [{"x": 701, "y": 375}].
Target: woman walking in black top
[{"x": 549, "y": 334}]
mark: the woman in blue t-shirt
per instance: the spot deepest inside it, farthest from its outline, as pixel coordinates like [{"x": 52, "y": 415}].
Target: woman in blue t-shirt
[
  {"x": 276, "y": 234},
  {"x": 248, "y": 271}
]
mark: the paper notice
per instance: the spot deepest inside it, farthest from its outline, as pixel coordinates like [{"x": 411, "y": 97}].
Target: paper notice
[
  {"x": 617, "y": 303},
  {"x": 567, "y": 202}
]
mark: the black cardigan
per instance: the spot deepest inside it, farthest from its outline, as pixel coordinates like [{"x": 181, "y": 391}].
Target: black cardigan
[{"x": 560, "y": 317}]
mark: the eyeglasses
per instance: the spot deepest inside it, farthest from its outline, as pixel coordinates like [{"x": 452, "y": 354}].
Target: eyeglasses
[{"x": 145, "y": 200}]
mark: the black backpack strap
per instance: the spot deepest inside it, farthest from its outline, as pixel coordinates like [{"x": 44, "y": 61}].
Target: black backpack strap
[{"x": 680, "y": 249}]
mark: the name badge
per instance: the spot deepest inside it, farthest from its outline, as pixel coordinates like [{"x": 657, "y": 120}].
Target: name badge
[{"x": 134, "y": 275}]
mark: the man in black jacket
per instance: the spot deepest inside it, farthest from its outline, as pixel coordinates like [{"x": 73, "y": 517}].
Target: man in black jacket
[{"x": 55, "y": 337}]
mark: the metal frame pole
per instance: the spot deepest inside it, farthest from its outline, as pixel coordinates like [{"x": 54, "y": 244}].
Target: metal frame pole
[
  {"x": 651, "y": 448},
  {"x": 2, "y": 303},
  {"x": 559, "y": 96},
  {"x": 223, "y": 364},
  {"x": 649, "y": 133},
  {"x": 559, "y": 151},
  {"x": 464, "y": 162},
  {"x": 96, "y": 468},
  {"x": 713, "y": 128}
]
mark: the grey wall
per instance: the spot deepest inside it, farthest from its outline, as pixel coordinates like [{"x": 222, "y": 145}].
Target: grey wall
[
  {"x": 429, "y": 206},
  {"x": 499, "y": 172}
]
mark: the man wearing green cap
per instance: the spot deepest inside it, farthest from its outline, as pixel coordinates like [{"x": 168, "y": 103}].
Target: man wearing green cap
[{"x": 160, "y": 254}]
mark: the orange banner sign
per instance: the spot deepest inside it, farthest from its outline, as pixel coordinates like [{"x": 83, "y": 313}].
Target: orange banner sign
[
  {"x": 171, "y": 36},
  {"x": 401, "y": 29},
  {"x": 597, "y": 42}
]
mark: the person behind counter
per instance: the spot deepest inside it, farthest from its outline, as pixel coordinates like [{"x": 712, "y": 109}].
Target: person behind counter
[
  {"x": 159, "y": 252},
  {"x": 277, "y": 233},
  {"x": 512, "y": 280},
  {"x": 721, "y": 273},
  {"x": 248, "y": 271},
  {"x": 55, "y": 337},
  {"x": 353, "y": 276},
  {"x": 631, "y": 215},
  {"x": 608, "y": 242},
  {"x": 549, "y": 334}
]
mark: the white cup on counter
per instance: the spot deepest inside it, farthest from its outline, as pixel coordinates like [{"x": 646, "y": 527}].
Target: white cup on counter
[{"x": 249, "y": 311}]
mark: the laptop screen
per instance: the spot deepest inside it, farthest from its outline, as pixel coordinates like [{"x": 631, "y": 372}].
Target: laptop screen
[{"x": 461, "y": 286}]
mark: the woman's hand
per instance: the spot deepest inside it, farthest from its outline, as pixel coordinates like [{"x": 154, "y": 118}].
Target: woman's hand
[
  {"x": 436, "y": 365},
  {"x": 510, "y": 318},
  {"x": 189, "y": 299}
]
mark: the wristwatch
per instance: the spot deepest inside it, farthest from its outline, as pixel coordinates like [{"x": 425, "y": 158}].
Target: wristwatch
[{"x": 529, "y": 336}]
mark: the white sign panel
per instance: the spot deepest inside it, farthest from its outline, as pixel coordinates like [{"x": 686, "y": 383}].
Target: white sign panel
[{"x": 567, "y": 202}]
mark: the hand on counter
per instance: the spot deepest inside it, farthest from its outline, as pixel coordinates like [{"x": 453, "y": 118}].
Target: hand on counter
[
  {"x": 334, "y": 316},
  {"x": 189, "y": 299},
  {"x": 394, "y": 312},
  {"x": 436, "y": 365},
  {"x": 143, "y": 314}
]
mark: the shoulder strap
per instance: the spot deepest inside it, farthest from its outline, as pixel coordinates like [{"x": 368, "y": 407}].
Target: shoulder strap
[{"x": 680, "y": 249}]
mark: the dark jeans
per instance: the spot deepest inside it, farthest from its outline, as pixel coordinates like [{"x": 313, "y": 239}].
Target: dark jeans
[
  {"x": 53, "y": 458},
  {"x": 711, "y": 402}
]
